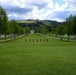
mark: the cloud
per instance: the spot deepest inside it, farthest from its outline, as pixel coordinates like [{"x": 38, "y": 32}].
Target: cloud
[
  {"x": 38, "y": 4},
  {"x": 60, "y": 13},
  {"x": 41, "y": 4},
  {"x": 17, "y": 9},
  {"x": 39, "y": 9},
  {"x": 70, "y": 5}
]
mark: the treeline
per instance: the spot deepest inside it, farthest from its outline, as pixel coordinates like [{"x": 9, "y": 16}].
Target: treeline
[
  {"x": 42, "y": 30},
  {"x": 69, "y": 28},
  {"x": 10, "y": 27},
  {"x": 15, "y": 29}
]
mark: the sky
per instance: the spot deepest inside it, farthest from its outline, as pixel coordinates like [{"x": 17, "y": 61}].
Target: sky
[{"x": 57, "y": 10}]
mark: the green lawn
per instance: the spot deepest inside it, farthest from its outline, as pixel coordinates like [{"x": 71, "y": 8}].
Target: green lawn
[{"x": 54, "y": 57}]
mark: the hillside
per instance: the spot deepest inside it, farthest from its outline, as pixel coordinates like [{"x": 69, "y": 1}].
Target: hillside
[{"x": 37, "y": 23}]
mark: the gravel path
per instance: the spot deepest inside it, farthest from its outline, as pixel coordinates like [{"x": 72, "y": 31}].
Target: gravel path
[{"x": 56, "y": 37}]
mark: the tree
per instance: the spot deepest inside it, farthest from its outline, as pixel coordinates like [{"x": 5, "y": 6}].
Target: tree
[
  {"x": 74, "y": 27},
  {"x": 27, "y": 30},
  {"x": 3, "y": 22},
  {"x": 60, "y": 31},
  {"x": 54, "y": 31},
  {"x": 20, "y": 30},
  {"x": 37, "y": 29},
  {"x": 23, "y": 31},
  {"x": 10, "y": 28},
  {"x": 15, "y": 27},
  {"x": 42, "y": 30},
  {"x": 68, "y": 26}
]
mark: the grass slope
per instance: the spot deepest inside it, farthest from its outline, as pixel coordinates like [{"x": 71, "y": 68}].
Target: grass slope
[
  {"x": 25, "y": 21},
  {"x": 55, "y": 57}
]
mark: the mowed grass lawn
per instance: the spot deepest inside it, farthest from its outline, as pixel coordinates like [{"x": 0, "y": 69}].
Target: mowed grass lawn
[{"x": 54, "y": 57}]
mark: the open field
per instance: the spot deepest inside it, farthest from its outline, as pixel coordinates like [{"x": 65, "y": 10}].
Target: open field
[
  {"x": 54, "y": 57},
  {"x": 26, "y": 21}
]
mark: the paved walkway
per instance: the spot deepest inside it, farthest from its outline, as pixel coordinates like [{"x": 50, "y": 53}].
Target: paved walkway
[
  {"x": 10, "y": 39},
  {"x": 55, "y": 37}
]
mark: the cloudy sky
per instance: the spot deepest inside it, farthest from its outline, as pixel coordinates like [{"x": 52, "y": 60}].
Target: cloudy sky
[{"x": 57, "y": 10}]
